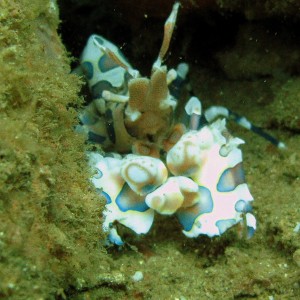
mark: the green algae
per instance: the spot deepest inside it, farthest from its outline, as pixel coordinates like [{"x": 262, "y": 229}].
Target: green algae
[
  {"x": 51, "y": 217},
  {"x": 49, "y": 214}
]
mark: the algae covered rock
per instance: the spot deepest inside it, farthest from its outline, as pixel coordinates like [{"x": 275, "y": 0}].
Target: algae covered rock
[{"x": 49, "y": 216}]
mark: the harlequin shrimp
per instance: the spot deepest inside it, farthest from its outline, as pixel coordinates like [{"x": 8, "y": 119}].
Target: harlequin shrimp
[{"x": 191, "y": 169}]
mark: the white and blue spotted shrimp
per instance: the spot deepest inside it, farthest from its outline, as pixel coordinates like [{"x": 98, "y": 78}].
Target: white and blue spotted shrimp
[
  {"x": 192, "y": 169},
  {"x": 128, "y": 111}
]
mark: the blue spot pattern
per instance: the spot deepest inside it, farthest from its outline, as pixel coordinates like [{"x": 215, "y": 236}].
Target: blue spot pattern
[
  {"x": 99, "y": 174},
  {"x": 88, "y": 119},
  {"x": 243, "y": 206},
  {"x": 223, "y": 225},
  {"x": 106, "y": 64},
  {"x": 231, "y": 178},
  {"x": 107, "y": 197},
  {"x": 115, "y": 239},
  {"x": 129, "y": 200},
  {"x": 250, "y": 232},
  {"x": 88, "y": 69},
  {"x": 148, "y": 188},
  {"x": 187, "y": 216},
  {"x": 96, "y": 137},
  {"x": 98, "y": 39},
  {"x": 99, "y": 87}
]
